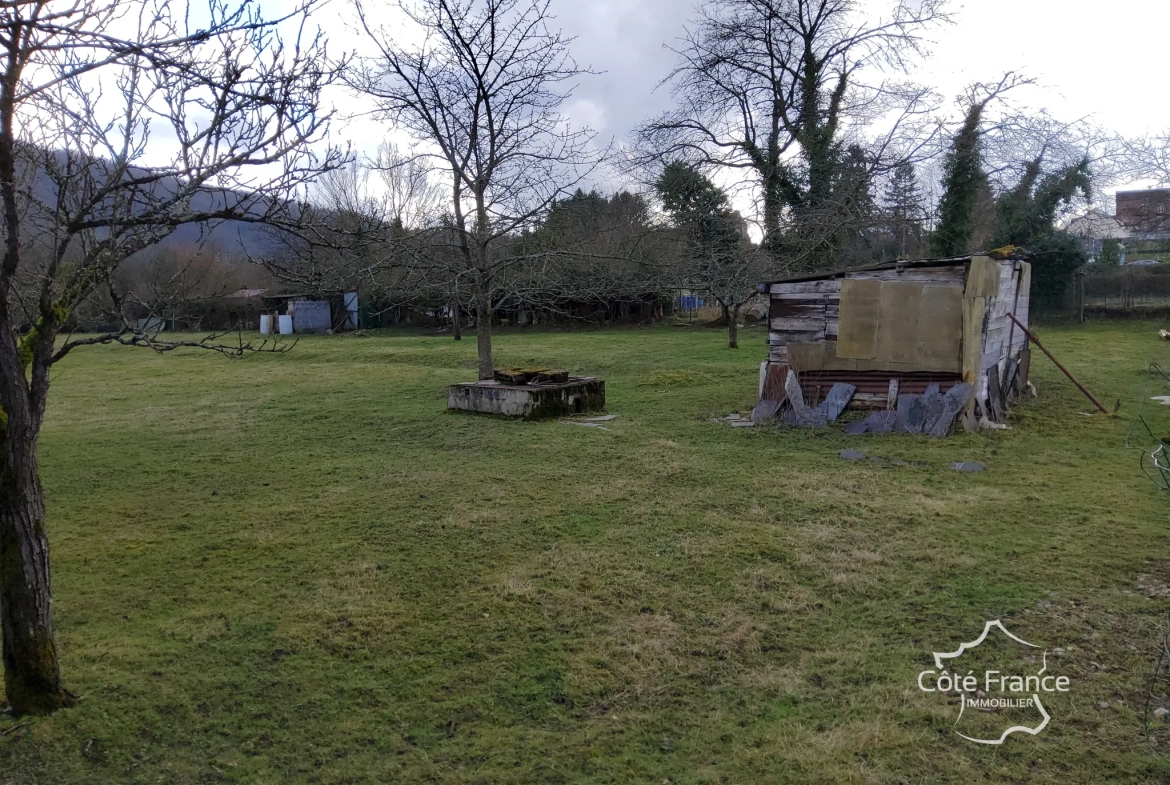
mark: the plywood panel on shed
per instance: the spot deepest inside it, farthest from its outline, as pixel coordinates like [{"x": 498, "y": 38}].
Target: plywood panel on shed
[
  {"x": 973, "y": 310},
  {"x": 940, "y": 329},
  {"x": 897, "y": 331},
  {"x": 857, "y": 334},
  {"x": 912, "y": 325},
  {"x": 983, "y": 278}
]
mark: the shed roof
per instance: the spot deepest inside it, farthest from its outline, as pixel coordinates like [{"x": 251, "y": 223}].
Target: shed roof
[{"x": 901, "y": 264}]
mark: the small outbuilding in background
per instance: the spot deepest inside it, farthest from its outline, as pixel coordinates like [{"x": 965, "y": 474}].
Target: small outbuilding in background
[{"x": 929, "y": 340}]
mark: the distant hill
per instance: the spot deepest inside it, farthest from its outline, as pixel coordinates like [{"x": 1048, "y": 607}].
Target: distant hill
[{"x": 233, "y": 238}]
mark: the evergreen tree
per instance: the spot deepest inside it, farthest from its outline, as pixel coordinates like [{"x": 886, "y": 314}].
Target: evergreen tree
[
  {"x": 701, "y": 208},
  {"x": 905, "y": 208},
  {"x": 719, "y": 259}
]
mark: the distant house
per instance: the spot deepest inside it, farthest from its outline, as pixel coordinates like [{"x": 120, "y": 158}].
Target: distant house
[
  {"x": 1141, "y": 227},
  {"x": 1145, "y": 213}
]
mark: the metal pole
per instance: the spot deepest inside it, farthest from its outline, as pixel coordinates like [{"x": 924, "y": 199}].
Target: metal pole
[
  {"x": 1080, "y": 297},
  {"x": 1071, "y": 378}
]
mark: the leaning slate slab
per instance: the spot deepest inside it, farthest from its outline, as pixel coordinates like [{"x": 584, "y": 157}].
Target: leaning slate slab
[
  {"x": 881, "y": 422},
  {"x": 857, "y": 427},
  {"x": 934, "y": 406},
  {"x": 911, "y": 413},
  {"x": 953, "y": 403},
  {"x": 836, "y": 401},
  {"x": 799, "y": 413},
  {"x": 765, "y": 410}
]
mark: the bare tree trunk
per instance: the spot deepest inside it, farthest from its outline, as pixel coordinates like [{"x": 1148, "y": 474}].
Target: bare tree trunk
[
  {"x": 456, "y": 318},
  {"x": 32, "y": 676},
  {"x": 732, "y": 327},
  {"x": 483, "y": 327}
]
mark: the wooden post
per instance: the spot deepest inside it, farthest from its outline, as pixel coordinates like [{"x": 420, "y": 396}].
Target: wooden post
[
  {"x": 1071, "y": 378},
  {"x": 1080, "y": 279}
]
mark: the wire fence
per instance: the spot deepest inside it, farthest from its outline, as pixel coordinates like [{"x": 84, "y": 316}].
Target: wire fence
[{"x": 1119, "y": 292}]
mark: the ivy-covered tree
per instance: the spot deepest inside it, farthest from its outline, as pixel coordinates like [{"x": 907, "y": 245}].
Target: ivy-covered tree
[
  {"x": 776, "y": 89},
  {"x": 967, "y": 204},
  {"x": 1027, "y": 216},
  {"x": 964, "y": 180}
]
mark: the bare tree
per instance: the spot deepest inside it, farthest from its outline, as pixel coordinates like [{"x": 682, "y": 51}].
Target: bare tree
[
  {"x": 482, "y": 94},
  {"x": 415, "y": 203},
  {"x": 1148, "y": 158},
  {"x": 779, "y": 88},
  {"x": 413, "y": 199},
  {"x": 89, "y": 93}
]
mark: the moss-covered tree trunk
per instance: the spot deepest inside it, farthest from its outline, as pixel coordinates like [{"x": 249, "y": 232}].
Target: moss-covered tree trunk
[{"x": 32, "y": 677}]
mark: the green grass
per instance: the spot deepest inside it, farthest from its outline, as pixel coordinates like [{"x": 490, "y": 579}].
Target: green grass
[{"x": 300, "y": 568}]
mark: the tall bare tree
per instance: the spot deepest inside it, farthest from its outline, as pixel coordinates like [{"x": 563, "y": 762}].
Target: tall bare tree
[
  {"x": 780, "y": 88},
  {"x": 482, "y": 93},
  {"x": 119, "y": 121}
]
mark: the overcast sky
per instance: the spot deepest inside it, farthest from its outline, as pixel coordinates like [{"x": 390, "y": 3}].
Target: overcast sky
[{"x": 1104, "y": 61}]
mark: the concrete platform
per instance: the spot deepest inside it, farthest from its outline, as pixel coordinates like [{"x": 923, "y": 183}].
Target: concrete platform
[{"x": 529, "y": 401}]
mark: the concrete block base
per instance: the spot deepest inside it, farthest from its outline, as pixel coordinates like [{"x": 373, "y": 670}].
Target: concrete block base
[{"x": 529, "y": 401}]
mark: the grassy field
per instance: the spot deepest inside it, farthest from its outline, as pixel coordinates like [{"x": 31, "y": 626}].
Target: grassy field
[{"x": 300, "y": 568}]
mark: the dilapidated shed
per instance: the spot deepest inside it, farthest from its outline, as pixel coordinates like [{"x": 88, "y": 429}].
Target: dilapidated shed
[{"x": 899, "y": 328}]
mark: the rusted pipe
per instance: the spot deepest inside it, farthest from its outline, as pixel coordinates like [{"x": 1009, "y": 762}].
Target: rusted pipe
[{"x": 1071, "y": 378}]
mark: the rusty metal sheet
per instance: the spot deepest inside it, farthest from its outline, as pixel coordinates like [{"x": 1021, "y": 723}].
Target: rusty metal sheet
[{"x": 857, "y": 334}]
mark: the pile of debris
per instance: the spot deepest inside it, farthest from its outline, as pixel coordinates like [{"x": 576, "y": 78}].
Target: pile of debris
[
  {"x": 530, "y": 376},
  {"x": 932, "y": 413}
]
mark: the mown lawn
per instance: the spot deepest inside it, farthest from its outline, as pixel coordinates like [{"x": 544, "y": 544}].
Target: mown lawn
[{"x": 300, "y": 568}]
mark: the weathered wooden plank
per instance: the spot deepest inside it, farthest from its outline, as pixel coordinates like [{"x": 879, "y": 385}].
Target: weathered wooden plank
[
  {"x": 800, "y": 297},
  {"x": 945, "y": 275},
  {"x": 796, "y": 287},
  {"x": 811, "y": 336},
  {"x": 798, "y": 309},
  {"x": 995, "y": 393},
  {"x": 787, "y": 324},
  {"x": 868, "y": 401},
  {"x": 832, "y": 328},
  {"x": 778, "y": 354}
]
